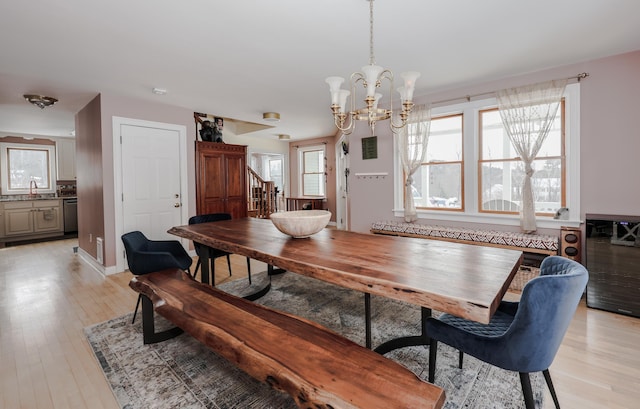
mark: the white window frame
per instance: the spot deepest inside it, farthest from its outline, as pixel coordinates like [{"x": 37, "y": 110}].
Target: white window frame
[
  {"x": 470, "y": 111},
  {"x": 301, "y": 152},
  {"x": 4, "y": 172}
]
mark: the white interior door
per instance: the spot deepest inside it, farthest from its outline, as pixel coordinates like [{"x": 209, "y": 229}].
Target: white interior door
[
  {"x": 342, "y": 186},
  {"x": 151, "y": 180},
  {"x": 151, "y": 191}
]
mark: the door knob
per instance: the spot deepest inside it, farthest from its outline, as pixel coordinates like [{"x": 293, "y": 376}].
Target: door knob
[{"x": 176, "y": 205}]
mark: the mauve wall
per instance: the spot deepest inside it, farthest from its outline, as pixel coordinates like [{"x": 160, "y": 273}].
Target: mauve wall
[
  {"x": 610, "y": 145},
  {"x": 609, "y": 142},
  {"x": 90, "y": 176},
  {"x": 100, "y": 157}
]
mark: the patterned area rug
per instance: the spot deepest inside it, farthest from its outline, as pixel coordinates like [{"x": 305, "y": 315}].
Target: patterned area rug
[{"x": 181, "y": 373}]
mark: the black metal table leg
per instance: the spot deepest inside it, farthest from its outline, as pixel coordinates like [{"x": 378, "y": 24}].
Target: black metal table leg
[
  {"x": 367, "y": 319},
  {"x": 409, "y": 341},
  {"x": 205, "y": 267},
  {"x": 149, "y": 334}
]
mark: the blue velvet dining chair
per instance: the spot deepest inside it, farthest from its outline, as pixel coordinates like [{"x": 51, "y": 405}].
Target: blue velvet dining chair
[
  {"x": 522, "y": 336},
  {"x": 146, "y": 256},
  {"x": 213, "y": 253}
]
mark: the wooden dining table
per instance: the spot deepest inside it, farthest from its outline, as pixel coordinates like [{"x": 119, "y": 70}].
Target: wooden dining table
[{"x": 460, "y": 279}]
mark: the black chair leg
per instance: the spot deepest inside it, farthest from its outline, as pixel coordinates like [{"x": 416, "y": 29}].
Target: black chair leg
[
  {"x": 249, "y": 269},
  {"x": 526, "y": 390},
  {"x": 137, "y": 306},
  {"x": 195, "y": 272},
  {"x": 460, "y": 357},
  {"x": 229, "y": 264},
  {"x": 547, "y": 377},
  {"x": 433, "y": 352}
]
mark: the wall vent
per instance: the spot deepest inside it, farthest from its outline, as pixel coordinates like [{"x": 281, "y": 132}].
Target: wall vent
[{"x": 99, "y": 250}]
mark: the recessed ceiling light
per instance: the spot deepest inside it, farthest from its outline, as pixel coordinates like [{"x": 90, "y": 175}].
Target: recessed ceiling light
[
  {"x": 284, "y": 137},
  {"x": 159, "y": 91},
  {"x": 271, "y": 116}
]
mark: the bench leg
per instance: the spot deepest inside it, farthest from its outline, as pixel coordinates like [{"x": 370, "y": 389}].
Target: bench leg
[{"x": 148, "y": 326}]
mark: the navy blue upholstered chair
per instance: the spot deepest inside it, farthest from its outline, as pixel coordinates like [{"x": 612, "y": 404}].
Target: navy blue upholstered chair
[
  {"x": 146, "y": 256},
  {"x": 522, "y": 336},
  {"x": 213, "y": 253}
]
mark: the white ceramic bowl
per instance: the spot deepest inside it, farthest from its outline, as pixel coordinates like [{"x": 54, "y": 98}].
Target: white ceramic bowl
[{"x": 301, "y": 223}]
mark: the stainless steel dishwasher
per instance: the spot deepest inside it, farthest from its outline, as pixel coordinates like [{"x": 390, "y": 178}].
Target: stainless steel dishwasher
[{"x": 70, "y": 209}]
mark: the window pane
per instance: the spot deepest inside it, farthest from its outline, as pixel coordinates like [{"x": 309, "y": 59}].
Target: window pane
[
  {"x": 495, "y": 142},
  {"x": 501, "y": 183},
  {"x": 445, "y": 139},
  {"x": 275, "y": 172},
  {"x": 313, "y": 161},
  {"x": 26, "y": 165},
  {"x": 438, "y": 186},
  {"x": 313, "y": 184}
]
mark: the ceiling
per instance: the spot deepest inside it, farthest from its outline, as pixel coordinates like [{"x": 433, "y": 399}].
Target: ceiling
[{"x": 239, "y": 59}]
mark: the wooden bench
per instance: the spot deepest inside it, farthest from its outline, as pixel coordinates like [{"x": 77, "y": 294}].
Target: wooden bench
[
  {"x": 529, "y": 243},
  {"x": 316, "y": 366}
]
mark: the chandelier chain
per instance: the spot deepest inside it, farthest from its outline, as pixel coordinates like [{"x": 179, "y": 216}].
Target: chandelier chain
[{"x": 372, "y": 60}]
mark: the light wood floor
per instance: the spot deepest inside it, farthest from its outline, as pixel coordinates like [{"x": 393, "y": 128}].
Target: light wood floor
[{"x": 48, "y": 295}]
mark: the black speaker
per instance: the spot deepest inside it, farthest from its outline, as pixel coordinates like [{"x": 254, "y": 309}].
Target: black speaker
[{"x": 571, "y": 243}]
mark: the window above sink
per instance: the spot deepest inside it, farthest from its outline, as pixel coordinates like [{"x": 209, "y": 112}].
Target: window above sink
[{"x": 27, "y": 169}]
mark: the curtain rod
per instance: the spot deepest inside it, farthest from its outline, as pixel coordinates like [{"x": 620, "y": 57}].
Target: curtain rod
[
  {"x": 468, "y": 98},
  {"x": 308, "y": 144}
]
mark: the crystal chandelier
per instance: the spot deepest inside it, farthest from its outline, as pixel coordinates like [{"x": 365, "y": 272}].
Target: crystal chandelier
[{"x": 371, "y": 77}]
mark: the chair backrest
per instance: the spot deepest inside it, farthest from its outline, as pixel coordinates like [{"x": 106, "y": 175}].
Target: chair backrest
[
  {"x": 546, "y": 308},
  {"x": 207, "y": 218},
  {"x": 211, "y": 217},
  {"x": 145, "y": 256},
  {"x": 134, "y": 243}
]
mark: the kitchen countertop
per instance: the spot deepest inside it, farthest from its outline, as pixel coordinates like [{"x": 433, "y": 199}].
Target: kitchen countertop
[{"x": 18, "y": 198}]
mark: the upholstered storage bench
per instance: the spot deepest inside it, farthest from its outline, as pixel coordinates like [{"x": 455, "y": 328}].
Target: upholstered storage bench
[{"x": 530, "y": 243}]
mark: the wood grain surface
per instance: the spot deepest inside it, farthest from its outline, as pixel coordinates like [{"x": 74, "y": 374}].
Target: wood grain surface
[
  {"x": 461, "y": 279},
  {"x": 317, "y": 367}
]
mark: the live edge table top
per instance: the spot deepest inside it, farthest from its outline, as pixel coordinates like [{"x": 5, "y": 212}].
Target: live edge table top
[{"x": 461, "y": 279}]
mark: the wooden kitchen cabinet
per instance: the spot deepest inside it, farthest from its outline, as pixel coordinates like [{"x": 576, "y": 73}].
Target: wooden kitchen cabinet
[
  {"x": 221, "y": 178},
  {"x": 32, "y": 218},
  {"x": 66, "y": 159}
]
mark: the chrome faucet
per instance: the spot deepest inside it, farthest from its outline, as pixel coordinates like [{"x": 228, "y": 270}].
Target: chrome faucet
[{"x": 33, "y": 186}]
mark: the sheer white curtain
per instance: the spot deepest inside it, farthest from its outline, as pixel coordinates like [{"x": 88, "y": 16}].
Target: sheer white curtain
[
  {"x": 412, "y": 146},
  {"x": 527, "y": 115}
]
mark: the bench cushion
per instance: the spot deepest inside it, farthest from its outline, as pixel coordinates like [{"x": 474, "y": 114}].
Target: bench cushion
[{"x": 542, "y": 243}]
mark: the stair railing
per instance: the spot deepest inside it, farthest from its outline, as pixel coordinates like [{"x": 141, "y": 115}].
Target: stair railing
[{"x": 263, "y": 196}]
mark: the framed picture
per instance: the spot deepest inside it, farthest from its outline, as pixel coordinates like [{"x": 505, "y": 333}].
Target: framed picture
[
  {"x": 209, "y": 127},
  {"x": 370, "y": 147}
]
